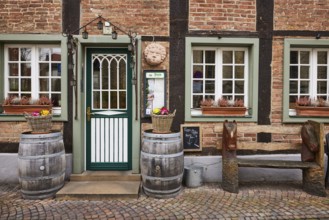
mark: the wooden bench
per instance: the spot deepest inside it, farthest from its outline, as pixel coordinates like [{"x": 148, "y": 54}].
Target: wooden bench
[{"x": 312, "y": 164}]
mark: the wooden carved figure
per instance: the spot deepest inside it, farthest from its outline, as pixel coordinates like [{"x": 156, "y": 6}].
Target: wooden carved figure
[{"x": 310, "y": 143}]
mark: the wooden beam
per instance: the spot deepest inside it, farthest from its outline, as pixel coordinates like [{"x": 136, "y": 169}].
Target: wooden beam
[{"x": 271, "y": 146}]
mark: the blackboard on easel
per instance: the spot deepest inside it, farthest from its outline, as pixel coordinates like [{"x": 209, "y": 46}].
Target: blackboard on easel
[{"x": 191, "y": 137}]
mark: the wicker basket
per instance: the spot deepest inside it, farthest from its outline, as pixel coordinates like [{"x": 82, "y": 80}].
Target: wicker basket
[
  {"x": 39, "y": 124},
  {"x": 162, "y": 123}
]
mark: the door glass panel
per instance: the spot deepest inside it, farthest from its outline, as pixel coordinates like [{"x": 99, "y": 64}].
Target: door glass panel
[
  {"x": 239, "y": 87},
  {"x": 227, "y": 87},
  {"x": 26, "y": 54},
  {"x": 26, "y": 69},
  {"x": 227, "y": 72},
  {"x": 55, "y": 69},
  {"x": 96, "y": 100},
  {"x": 44, "y": 69},
  {"x": 113, "y": 74},
  {"x": 44, "y": 54},
  {"x": 13, "y": 54},
  {"x": 123, "y": 101},
  {"x": 228, "y": 57},
  {"x": 105, "y": 100},
  {"x": 210, "y": 72},
  {"x": 26, "y": 85},
  {"x": 13, "y": 84},
  {"x": 13, "y": 69},
  {"x": 56, "y": 100},
  {"x": 322, "y": 87},
  {"x": 105, "y": 74},
  {"x": 322, "y": 72},
  {"x": 114, "y": 100},
  {"x": 239, "y": 72},
  {"x": 96, "y": 74},
  {"x": 197, "y": 56},
  {"x": 322, "y": 57},
  {"x": 122, "y": 74}
]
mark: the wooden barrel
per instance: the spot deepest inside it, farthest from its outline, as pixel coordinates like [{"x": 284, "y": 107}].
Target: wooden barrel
[
  {"x": 41, "y": 164},
  {"x": 162, "y": 164}
]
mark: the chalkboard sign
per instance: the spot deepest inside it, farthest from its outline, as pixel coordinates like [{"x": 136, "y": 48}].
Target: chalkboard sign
[{"x": 191, "y": 137}]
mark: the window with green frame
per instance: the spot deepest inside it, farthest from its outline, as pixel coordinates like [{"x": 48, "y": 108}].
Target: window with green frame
[
  {"x": 306, "y": 75},
  {"x": 33, "y": 65},
  {"x": 221, "y": 68}
]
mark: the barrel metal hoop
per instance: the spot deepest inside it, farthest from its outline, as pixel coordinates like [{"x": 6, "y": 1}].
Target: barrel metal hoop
[
  {"x": 162, "y": 178},
  {"x": 163, "y": 155},
  {"x": 41, "y": 156},
  {"x": 42, "y": 191},
  {"x": 162, "y": 191},
  {"x": 40, "y": 141},
  {"x": 162, "y": 141},
  {"x": 42, "y": 177}
]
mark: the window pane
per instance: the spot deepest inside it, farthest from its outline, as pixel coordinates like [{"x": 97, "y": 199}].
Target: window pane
[
  {"x": 304, "y": 72},
  {"x": 239, "y": 72},
  {"x": 210, "y": 57},
  {"x": 197, "y": 86},
  {"x": 197, "y": 72},
  {"x": 227, "y": 56},
  {"x": 56, "y": 100},
  {"x": 292, "y": 101},
  {"x": 293, "y": 57},
  {"x": 239, "y": 87},
  {"x": 227, "y": 72},
  {"x": 227, "y": 86},
  {"x": 197, "y": 56},
  {"x": 304, "y": 87},
  {"x": 210, "y": 72},
  {"x": 26, "y": 54},
  {"x": 322, "y": 57},
  {"x": 322, "y": 87},
  {"x": 322, "y": 72},
  {"x": 26, "y": 85},
  {"x": 293, "y": 87},
  {"x": 210, "y": 86},
  {"x": 196, "y": 101},
  {"x": 13, "y": 69},
  {"x": 44, "y": 69},
  {"x": 26, "y": 69},
  {"x": 122, "y": 97},
  {"x": 44, "y": 54},
  {"x": 239, "y": 57},
  {"x": 293, "y": 72},
  {"x": 304, "y": 57},
  {"x": 56, "y": 54},
  {"x": 13, "y": 85},
  {"x": 44, "y": 85},
  {"x": 56, "y": 85},
  {"x": 13, "y": 54},
  {"x": 56, "y": 69}
]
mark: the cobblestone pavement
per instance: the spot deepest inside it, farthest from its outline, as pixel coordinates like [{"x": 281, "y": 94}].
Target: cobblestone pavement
[{"x": 255, "y": 201}]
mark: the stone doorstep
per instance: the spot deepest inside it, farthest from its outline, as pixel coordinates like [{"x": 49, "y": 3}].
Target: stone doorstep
[
  {"x": 106, "y": 176},
  {"x": 99, "y": 190}
]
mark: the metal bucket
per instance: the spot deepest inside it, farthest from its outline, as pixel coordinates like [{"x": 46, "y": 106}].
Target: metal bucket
[
  {"x": 162, "y": 164},
  {"x": 41, "y": 164},
  {"x": 193, "y": 176}
]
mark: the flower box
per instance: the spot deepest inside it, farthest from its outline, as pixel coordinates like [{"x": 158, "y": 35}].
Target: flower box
[
  {"x": 312, "y": 111},
  {"x": 22, "y": 109},
  {"x": 224, "y": 111}
]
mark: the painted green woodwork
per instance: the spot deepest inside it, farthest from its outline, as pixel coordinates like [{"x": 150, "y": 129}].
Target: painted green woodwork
[
  {"x": 290, "y": 43},
  {"x": 127, "y": 114},
  {"x": 78, "y": 125},
  {"x": 253, "y": 45}
]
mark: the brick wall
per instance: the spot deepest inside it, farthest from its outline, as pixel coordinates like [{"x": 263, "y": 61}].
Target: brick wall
[
  {"x": 239, "y": 15},
  {"x": 31, "y": 16},
  {"x": 301, "y": 15},
  {"x": 146, "y": 17}
]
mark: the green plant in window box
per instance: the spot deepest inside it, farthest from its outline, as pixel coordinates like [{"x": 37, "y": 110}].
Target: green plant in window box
[
  {"x": 306, "y": 106},
  {"x": 223, "y": 107},
  {"x": 21, "y": 105}
]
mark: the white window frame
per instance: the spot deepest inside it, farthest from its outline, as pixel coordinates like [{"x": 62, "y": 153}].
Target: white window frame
[
  {"x": 252, "y": 46},
  {"x": 289, "y": 115},
  {"x": 35, "y": 71},
  {"x": 219, "y": 74},
  {"x": 57, "y": 39}
]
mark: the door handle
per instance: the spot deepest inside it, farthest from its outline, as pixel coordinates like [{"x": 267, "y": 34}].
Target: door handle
[{"x": 88, "y": 113}]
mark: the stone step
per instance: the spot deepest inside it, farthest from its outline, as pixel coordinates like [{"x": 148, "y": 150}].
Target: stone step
[
  {"x": 106, "y": 176},
  {"x": 99, "y": 190}
]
